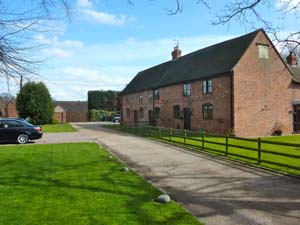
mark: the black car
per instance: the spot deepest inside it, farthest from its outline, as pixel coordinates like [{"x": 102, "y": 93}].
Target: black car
[{"x": 17, "y": 130}]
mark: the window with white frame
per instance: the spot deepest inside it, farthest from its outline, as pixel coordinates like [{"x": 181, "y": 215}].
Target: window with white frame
[
  {"x": 186, "y": 89},
  {"x": 141, "y": 99},
  {"x": 263, "y": 51},
  {"x": 150, "y": 97},
  {"x": 156, "y": 94},
  {"x": 207, "y": 86}
]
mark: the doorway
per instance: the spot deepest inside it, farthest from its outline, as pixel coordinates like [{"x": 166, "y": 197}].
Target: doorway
[
  {"x": 136, "y": 116},
  {"x": 151, "y": 117},
  {"x": 187, "y": 114},
  {"x": 296, "y": 118}
]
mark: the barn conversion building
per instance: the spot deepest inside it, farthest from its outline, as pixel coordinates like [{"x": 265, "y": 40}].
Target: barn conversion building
[{"x": 240, "y": 86}]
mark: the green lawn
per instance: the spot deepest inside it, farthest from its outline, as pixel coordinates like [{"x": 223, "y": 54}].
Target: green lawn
[
  {"x": 77, "y": 184},
  {"x": 64, "y": 127},
  {"x": 235, "y": 150}
]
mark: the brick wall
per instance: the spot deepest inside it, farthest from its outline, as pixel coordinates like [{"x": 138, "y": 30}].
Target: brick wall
[
  {"x": 263, "y": 92},
  {"x": 10, "y": 110},
  {"x": 132, "y": 103},
  {"x": 60, "y": 117},
  {"x": 219, "y": 98},
  {"x": 173, "y": 95}
]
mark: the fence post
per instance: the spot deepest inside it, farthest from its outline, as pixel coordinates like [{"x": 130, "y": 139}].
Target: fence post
[
  {"x": 258, "y": 150},
  {"x": 150, "y": 130},
  {"x": 170, "y": 134},
  {"x": 184, "y": 136},
  {"x": 159, "y": 132},
  {"x": 226, "y": 145},
  {"x": 202, "y": 139}
]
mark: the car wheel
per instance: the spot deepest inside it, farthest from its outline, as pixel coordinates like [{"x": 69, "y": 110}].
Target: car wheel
[{"x": 22, "y": 138}]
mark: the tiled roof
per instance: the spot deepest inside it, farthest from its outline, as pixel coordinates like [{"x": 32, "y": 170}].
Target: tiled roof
[
  {"x": 295, "y": 70},
  {"x": 204, "y": 63},
  {"x": 73, "y": 106}
]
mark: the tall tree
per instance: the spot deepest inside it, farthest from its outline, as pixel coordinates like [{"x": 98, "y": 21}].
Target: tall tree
[{"x": 34, "y": 101}]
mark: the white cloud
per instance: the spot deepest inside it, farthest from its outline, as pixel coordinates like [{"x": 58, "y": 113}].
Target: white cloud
[
  {"x": 288, "y": 5},
  {"x": 144, "y": 52},
  {"x": 106, "y": 18},
  {"x": 73, "y": 82},
  {"x": 76, "y": 67},
  {"x": 58, "y": 48},
  {"x": 58, "y": 52},
  {"x": 85, "y": 3}
]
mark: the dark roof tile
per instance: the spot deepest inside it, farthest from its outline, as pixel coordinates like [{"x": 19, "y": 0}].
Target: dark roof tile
[
  {"x": 73, "y": 106},
  {"x": 204, "y": 63}
]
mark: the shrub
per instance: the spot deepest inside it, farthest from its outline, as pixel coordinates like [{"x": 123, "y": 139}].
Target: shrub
[
  {"x": 100, "y": 115},
  {"x": 34, "y": 101},
  {"x": 54, "y": 121}
]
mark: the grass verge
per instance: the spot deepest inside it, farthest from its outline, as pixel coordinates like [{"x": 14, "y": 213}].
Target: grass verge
[
  {"x": 77, "y": 184},
  {"x": 53, "y": 128}
]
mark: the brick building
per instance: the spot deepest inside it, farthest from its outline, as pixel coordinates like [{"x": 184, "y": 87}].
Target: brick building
[
  {"x": 71, "y": 111},
  {"x": 8, "y": 108},
  {"x": 241, "y": 85}
]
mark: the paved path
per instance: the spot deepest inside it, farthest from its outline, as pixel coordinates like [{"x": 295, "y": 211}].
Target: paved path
[{"x": 218, "y": 192}]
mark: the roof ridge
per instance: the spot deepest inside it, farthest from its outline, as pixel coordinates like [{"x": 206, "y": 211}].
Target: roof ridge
[
  {"x": 219, "y": 43},
  {"x": 223, "y": 42},
  {"x": 202, "y": 63}
]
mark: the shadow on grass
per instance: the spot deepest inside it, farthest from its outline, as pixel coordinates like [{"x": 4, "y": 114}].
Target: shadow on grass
[{"x": 100, "y": 176}]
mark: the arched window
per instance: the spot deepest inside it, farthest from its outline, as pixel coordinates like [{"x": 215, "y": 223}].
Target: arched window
[
  {"x": 176, "y": 111},
  {"x": 156, "y": 112},
  {"x": 207, "y": 110},
  {"x": 141, "y": 112}
]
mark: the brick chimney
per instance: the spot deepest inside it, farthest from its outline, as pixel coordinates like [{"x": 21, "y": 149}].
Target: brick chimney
[
  {"x": 176, "y": 53},
  {"x": 291, "y": 59}
]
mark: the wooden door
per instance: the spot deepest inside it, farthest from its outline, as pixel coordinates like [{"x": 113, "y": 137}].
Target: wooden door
[
  {"x": 296, "y": 118},
  {"x": 187, "y": 122},
  {"x": 136, "y": 116},
  {"x": 151, "y": 117}
]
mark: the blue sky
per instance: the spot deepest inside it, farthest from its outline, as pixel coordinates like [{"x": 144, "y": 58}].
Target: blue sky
[{"x": 106, "y": 43}]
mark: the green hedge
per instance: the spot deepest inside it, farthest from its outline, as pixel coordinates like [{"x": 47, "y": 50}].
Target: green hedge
[{"x": 100, "y": 115}]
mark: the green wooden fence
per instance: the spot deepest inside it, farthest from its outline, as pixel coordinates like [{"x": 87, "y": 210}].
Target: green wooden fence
[{"x": 281, "y": 156}]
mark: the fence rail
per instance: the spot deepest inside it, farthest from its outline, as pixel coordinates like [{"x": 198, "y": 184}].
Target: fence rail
[{"x": 256, "y": 150}]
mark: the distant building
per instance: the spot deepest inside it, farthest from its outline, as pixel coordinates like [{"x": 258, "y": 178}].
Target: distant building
[
  {"x": 240, "y": 86},
  {"x": 2, "y": 106},
  {"x": 71, "y": 111},
  {"x": 8, "y": 109}
]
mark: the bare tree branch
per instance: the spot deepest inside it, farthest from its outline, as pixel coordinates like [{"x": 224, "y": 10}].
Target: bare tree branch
[{"x": 17, "y": 26}]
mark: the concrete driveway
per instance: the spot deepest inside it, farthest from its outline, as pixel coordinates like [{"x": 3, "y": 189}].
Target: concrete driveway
[{"x": 217, "y": 191}]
